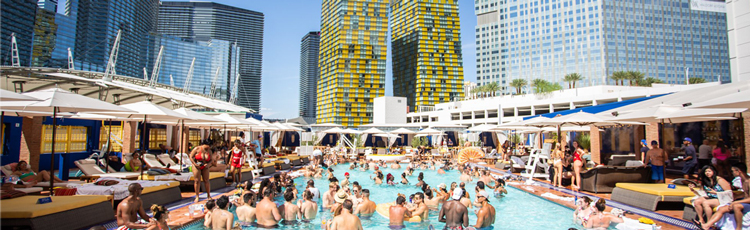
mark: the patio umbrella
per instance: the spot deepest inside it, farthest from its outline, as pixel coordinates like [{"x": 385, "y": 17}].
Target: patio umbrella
[
  {"x": 6, "y": 96},
  {"x": 402, "y": 131},
  {"x": 430, "y": 131},
  {"x": 483, "y": 128},
  {"x": 154, "y": 112},
  {"x": 195, "y": 117},
  {"x": 373, "y": 131},
  {"x": 59, "y": 100},
  {"x": 739, "y": 99}
]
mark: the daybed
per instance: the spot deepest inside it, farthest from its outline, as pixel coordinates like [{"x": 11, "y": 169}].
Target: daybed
[
  {"x": 648, "y": 196},
  {"x": 603, "y": 179},
  {"x": 216, "y": 179},
  {"x": 91, "y": 169},
  {"x": 64, "y": 212},
  {"x": 8, "y": 170},
  {"x": 163, "y": 192}
]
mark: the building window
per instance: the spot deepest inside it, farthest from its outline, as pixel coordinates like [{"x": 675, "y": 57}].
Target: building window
[
  {"x": 116, "y": 139},
  {"x": 68, "y": 139}
]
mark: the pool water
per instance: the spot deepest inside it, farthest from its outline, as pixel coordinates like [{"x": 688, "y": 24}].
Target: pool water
[{"x": 516, "y": 210}]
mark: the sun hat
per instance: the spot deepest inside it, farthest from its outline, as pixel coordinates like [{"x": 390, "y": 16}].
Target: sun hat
[
  {"x": 457, "y": 193},
  {"x": 341, "y": 196}
]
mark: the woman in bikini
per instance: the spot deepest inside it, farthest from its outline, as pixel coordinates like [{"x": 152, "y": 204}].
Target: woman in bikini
[
  {"x": 24, "y": 173},
  {"x": 201, "y": 159},
  {"x": 557, "y": 159},
  {"x": 238, "y": 158},
  {"x": 577, "y": 166}
]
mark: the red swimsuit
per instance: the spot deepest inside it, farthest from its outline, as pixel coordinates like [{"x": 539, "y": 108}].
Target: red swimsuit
[
  {"x": 236, "y": 158},
  {"x": 199, "y": 158}
]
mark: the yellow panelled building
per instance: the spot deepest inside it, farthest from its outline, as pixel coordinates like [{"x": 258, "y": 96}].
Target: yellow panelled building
[
  {"x": 352, "y": 60},
  {"x": 426, "y": 49}
]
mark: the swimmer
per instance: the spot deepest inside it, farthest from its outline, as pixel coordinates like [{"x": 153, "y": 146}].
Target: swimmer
[
  {"x": 290, "y": 210},
  {"x": 345, "y": 219},
  {"x": 500, "y": 187},
  {"x": 403, "y": 179},
  {"x": 453, "y": 213},
  {"x": 308, "y": 208},
  {"x": 246, "y": 212},
  {"x": 486, "y": 214},
  {"x": 366, "y": 208},
  {"x": 395, "y": 165},
  {"x": 131, "y": 207},
  {"x": 221, "y": 218},
  {"x": 420, "y": 208},
  {"x": 210, "y": 204},
  {"x": 397, "y": 213},
  {"x": 345, "y": 182},
  {"x": 328, "y": 196},
  {"x": 600, "y": 220},
  {"x": 583, "y": 211},
  {"x": 267, "y": 213}
]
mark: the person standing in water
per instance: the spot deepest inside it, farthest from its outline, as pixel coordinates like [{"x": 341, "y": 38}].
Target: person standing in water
[
  {"x": 397, "y": 213},
  {"x": 246, "y": 212},
  {"x": 367, "y": 207},
  {"x": 486, "y": 214},
  {"x": 221, "y": 218},
  {"x": 308, "y": 208},
  {"x": 453, "y": 213},
  {"x": 267, "y": 213},
  {"x": 345, "y": 220},
  {"x": 290, "y": 210}
]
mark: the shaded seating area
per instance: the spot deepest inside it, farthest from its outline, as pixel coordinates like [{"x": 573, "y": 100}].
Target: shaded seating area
[
  {"x": 25, "y": 213},
  {"x": 649, "y": 196},
  {"x": 604, "y": 179}
]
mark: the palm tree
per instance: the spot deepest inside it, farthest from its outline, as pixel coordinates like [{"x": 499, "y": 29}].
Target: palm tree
[
  {"x": 572, "y": 78},
  {"x": 648, "y": 81},
  {"x": 477, "y": 91},
  {"x": 696, "y": 80},
  {"x": 634, "y": 76},
  {"x": 539, "y": 84},
  {"x": 492, "y": 88},
  {"x": 518, "y": 84},
  {"x": 619, "y": 76}
]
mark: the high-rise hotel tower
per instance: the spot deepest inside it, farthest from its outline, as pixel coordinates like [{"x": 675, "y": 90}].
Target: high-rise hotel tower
[
  {"x": 352, "y": 60},
  {"x": 426, "y": 48}
]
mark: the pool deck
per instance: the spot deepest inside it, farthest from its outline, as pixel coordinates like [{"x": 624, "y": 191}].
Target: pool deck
[{"x": 179, "y": 210}]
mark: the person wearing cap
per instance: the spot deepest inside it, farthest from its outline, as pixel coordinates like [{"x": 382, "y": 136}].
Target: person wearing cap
[
  {"x": 453, "y": 213},
  {"x": 486, "y": 214},
  {"x": 644, "y": 149},
  {"x": 345, "y": 182},
  {"x": 691, "y": 158},
  {"x": 397, "y": 213},
  {"x": 656, "y": 158}
]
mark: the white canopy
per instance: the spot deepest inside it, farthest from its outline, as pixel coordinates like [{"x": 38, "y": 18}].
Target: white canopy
[
  {"x": 483, "y": 128},
  {"x": 402, "y": 131},
  {"x": 196, "y": 117},
  {"x": 373, "y": 131},
  {"x": 6, "y": 95},
  {"x": 64, "y": 101},
  {"x": 430, "y": 131},
  {"x": 739, "y": 99},
  {"x": 674, "y": 114},
  {"x": 154, "y": 112}
]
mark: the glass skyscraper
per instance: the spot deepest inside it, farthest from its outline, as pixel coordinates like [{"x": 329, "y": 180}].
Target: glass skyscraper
[
  {"x": 426, "y": 48},
  {"x": 97, "y": 23},
  {"x": 64, "y": 38},
  {"x": 210, "y": 56},
  {"x": 17, "y": 16},
  {"x": 308, "y": 74},
  {"x": 208, "y": 20},
  {"x": 548, "y": 39},
  {"x": 352, "y": 60},
  {"x": 45, "y": 36}
]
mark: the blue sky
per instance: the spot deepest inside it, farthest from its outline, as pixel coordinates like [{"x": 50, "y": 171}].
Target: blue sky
[{"x": 286, "y": 21}]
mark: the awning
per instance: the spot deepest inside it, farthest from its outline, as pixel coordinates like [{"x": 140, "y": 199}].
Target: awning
[{"x": 597, "y": 108}]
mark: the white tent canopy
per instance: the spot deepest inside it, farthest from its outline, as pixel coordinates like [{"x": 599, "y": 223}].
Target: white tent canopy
[
  {"x": 674, "y": 114},
  {"x": 402, "y": 131},
  {"x": 6, "y": 95},
  {"x": 483, "y": 128},
  {"x": 373, "y": 131},
  {"x": 64, "y": 101},
  {"x": 430, "y": 131},
  {"x": 739, "y": 99}
]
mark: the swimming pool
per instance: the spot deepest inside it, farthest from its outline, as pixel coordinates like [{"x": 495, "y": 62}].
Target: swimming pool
[{"x": 517, "y": 210}]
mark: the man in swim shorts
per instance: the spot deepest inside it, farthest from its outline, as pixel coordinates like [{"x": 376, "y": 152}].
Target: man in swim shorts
[
  {"x": 267, "y": 213},
  {"x": 366, "y": 208},
  {"x": 656, "y": 158},
  {"x": 397, "y": 213},
  {"x": 246, "y": 212},
  {"x": 345, "y": 220},
  {"x": 453, "y": 213},
  {"x": 486, "y": 214},
  {"x": 130, "y": 208}
]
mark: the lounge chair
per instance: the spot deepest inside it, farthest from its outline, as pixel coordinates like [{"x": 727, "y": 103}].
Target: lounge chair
[
  {"x": 648, "y": 196},
  {"x": 215, "y": 179},
  {"x": 91, "y": 169},
  {"x": 8, "y": 170},
  {"x": 519, "y": 165},
  {"x": 152, "y": 162},
  {"x": 161, "y": 193},
  {"x": 64, "y": 212}
]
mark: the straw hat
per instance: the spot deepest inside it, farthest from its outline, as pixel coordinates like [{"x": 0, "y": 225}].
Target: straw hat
[{"x": 340, "y": 196}]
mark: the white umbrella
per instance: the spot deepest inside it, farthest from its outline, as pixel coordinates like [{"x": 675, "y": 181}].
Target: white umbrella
[
  {"x": 430, "y": 131},
  {"x": 739, "y": 99},
  {"x": 373, "y": 131},
  {"x": 402, "y": 131},
  {"x": 483, "y": 128},
  {"x": 196, "y": 117},
  {"x": 577, "y": 119},
  {"x": 661, "y": 113},
  {"x": 333, "y": 130},
  {"x": 6, "y": 96},
  {"x": 58, "y": 100}
]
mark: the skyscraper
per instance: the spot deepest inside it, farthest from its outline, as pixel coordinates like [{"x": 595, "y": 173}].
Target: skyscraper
[
  {"x": 738, "y": 39},
  {"x": 664, "y": 39},
  {"x": 97, "y": 24},
  {"x": 308, "y": 74},
  {"x": 45, "y": 30},
  {"x": 426, "y": 48},
  {"x": 210, "y": 56},
  {"x": 352, "y": 60},
  {"x": 201, "y": 21},
  {"x": 17, "y": 17}
]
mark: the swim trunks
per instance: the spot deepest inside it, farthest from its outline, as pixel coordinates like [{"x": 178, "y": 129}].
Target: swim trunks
[
  {"x": 657, "y": 172},
  {"x": 396, "y": 227},
  {"x": 453, "y": 228},
  {"x": 275, "y": 226}
]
